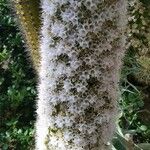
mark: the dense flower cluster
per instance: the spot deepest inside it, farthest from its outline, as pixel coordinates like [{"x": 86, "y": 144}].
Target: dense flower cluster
[
  {"x": 28, "y": 13},
  {"x": 82, "y": 47},
  {"x": 139, "y": 33}
]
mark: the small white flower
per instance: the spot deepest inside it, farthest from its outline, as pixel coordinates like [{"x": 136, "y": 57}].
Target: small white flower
[{"x": 58, "y": 29}]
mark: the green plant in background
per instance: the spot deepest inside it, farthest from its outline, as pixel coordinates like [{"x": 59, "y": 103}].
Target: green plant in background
[
  {"x": 140, "y": 48},
  {"x": 17, "y": 137},
  {"x": 17, "y": 87},
  {"x": 135, "y": 120}
]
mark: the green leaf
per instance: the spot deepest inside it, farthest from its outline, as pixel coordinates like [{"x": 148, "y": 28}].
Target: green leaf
[
  {"x": 118, "y": 144},
  {"x": 143, "y": 127},
  {"x": 143, "y": 146}
]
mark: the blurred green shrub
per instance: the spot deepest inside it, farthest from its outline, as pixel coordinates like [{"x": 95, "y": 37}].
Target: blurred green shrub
[
  {"x": 135, "y": 87},
  {"x": 17, "y": 87}
]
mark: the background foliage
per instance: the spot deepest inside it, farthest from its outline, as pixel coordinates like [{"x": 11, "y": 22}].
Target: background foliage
[
  {"x": 18, "y": 93},
  {"x": 17, "y": 87}
]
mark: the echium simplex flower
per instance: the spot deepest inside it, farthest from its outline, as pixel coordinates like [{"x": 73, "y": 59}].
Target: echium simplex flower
[
  {"x": 139, "y": 28},
  {"x": 28, "y": 14},
  {"x": 81, "y": 50}
]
